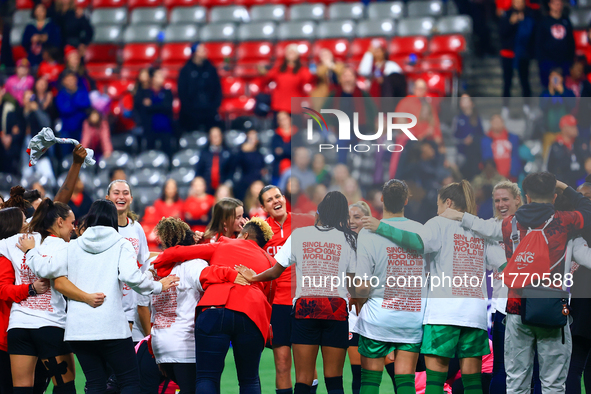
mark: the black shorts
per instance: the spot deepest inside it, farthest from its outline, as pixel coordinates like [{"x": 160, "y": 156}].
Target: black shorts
[
  {"x": 281, "y": 323},
  {"x": 333, "y": 333},
  {"x": 44, "y": 342},
  {"x": 353, "y": 339}
]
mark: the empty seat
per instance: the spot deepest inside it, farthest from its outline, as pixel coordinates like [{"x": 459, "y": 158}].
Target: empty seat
[
  {"x": 125, "y": 142},
  {"x": 182, "y": 175},
  {"x": 297, "y": 30},
  {"x": 180, "y": 33},
  {"x": 460, "y": 24},
  {"x": 148, "y": 15},
  {"x": 24, "y": 4},
  {"x": 392, "y": 9},
  {"x": 338, "y": 47},
  {"x": 101, "y": 54},
  {"x": 117, "y": 159},
  {"x": 217, "y": 3},
  {"x": 235, "y": 14},
  {"x": 21, "y": 17},
  {"x": 361, "y": 45},
  {"x": 375, "y": 28},
  {"x": 451, "y": 43},
  {"x": 336, "y": 29},
  {"x": 193, "y": 140},
  {"x": 304, "y": 48},
  {"x": 195, "y": 14},
  {"x": 140, "y": 54},
  {"x": 141, "y": 33},
  {"x": 108, "y": 3},
  {"x": 171, "y": 4},
  {"x": 185, "y": 158},
  {"x": 146, "y": 176},
  {"x": 254, "y": 51},
  {"x": 257, "y": 31},
  {"x": 407, "y": 45},
  {"x": 108, "y": 34},
  {"x": 416, "y": 26},
  {"x": 233, "y": 87},
  {"x": 580, "y": 18},
  {"x": 109, "y": 16},
  {"x": 234, "y": 138},
  {"x": 175, "y": 55},
  {"x": 424, "y": 8},
  {"x": 152, "y": 159},
  {"x": 452, "y": 8},
  {"x": 218, "y": 32},
  {"x": 346, "y": 11},
  {"x": 143, "y": 3},
  {"x": 304, "y": 12},
  {"x": 237, "y": 106},
  {"x": 219, "y": 52},
  {"x": 271, "y": 12},
  {"x": 16, "y": 35},
  {"x": 146, "y": 195},
  {"x": 581, "y": 39}
]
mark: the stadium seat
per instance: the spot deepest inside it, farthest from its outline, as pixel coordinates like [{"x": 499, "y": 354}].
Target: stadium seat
[
  {"x": 416, "y": 26},
  {"x": 460, "y": 24},
  {"x": 360, "y": 45},
  {"x": 418, "y": 8},
  {"x": 216, "y": 3},
  {"x": 407, "y": 45},
  {"x": 116, "y": 89},
  {"x": 257, "y": 31},
  {"x": 147, "y": 177},
  {"x": 175, "y": 55},
  {"x": 297, "y": 30},
  {"x": 140, "y": 54},
  {"x": 148, "y": 15},
  {"x": 142, "y": 33},
  {"x": 194, "y": 140},
  {"x": 451, "y": 8},
  {"x": 108, "y": 34},
  {"x": 392, "y": 9},
  {"x": 254, "y": 51},
  {"x": 234, "y": 138},
  {"x": 218, "y": 32},
  {"x": 271, "y": 12},
  {"x": 18, "y": 52},
  {"x": 172, "y": 4},
  {"x": 234, "y": 13},
  {"x": 103, "y": 72},
  {"x": 83, "y": 3},
  {"x": 581, "y": 39},
  {"x": 109, "y": 16},
  {"x": 172, "y": 84},
  {"x": 152, "y": 159},
  {"x": 304, "y": 48},
  {"x": 353, "y": 11},
  {"x": 256, "y": 86},
  {"x": 442, "y": 62},
  {"x": 143, "y": 3},
  {"x": 16, "y": 35},
  {"x": 146, "y": 196},
  {"x": 182, "y": 175},
  {"x": 24, "y": 4},
  {"x": 117, "y": 159},
  {"x": 108, "y": 3},
  {"x": 375, "y": 28},
  {"x": 195, "y": 15},
  {"x": 125, "y": 142},
  {"x": 180, "y": 33},
  {"x": 338, "y": 47},
  {"x": 307, "y": 12},
  {"x": 21, "y": 18},
  {"x": 580, "y": 18},
  {"x": 451, "y": 43},
  {"x": 220, "y": 52},
  {"x": 439, "y": 83},
  {"x": 237, "y": 106},
  {"x": 336, "y": 29},
  {"x": 233, "y": 87},
  {"x": 185, "y": 158}
]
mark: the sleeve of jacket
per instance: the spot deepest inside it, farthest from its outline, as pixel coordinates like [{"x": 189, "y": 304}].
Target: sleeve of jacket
[
  {"x": 8, "y": 290},
  {"x": 554, "y": 159},
  {"x": 27, "y": 35},
  {"x": 506, "y": 29},
  {"x": 570, "y": 41},
  {"x": 515, "y": 159},
  {"x": 183, "y": 85},
  {"x": 130, "y": 274},
  {"x": 581, "y": 203},
  {"x": 487, "y": 152},
  {"x": 216, "y": 86},
  {"x": 88, "y": 32},
  {"x": 215, "y": 275}
]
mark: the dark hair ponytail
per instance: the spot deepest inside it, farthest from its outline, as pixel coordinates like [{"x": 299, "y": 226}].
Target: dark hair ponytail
[
  {"x": 461, "y": 194},
  {"x": 46, "y": 215},
  {"x": 17, "y": 199},
  {"x": 333, "y": 212}
]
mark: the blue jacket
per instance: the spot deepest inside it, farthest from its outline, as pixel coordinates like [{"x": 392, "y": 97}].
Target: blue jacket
[
  {"x": 72, "y": 108},
  {"x": 53, "y": 39},
  {"x": 487, "y": 153}
]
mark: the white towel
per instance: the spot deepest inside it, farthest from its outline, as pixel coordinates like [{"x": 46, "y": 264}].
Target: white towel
[{"x": 45, "y": 139}]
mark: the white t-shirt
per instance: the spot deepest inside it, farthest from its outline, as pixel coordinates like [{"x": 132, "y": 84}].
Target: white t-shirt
[
  {"x": 319, "y": 257},
  {"x": 396, "y": 304},
  {"x": 42, "y": 310},
  {"x": 456, "y": 252},
  {"x": 173, "y": 332}
]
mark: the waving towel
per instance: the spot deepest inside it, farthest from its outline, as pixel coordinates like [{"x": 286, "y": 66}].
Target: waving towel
[{"x": 45, "y": 139}]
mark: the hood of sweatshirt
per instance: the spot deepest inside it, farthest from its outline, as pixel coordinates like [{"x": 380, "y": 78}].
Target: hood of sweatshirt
[
  {"x": 98, "y": 239},
  {"x": 534, "y": 214}
]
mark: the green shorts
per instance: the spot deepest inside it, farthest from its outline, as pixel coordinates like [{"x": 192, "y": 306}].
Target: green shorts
[
  {"x": 450, "y": 341},
  {"x": 371, "y": 348}
]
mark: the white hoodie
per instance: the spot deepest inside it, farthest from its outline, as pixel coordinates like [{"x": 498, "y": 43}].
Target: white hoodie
[{"x": 100, "y": 261}]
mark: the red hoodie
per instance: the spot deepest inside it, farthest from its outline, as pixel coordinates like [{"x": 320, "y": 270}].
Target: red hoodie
[
  {"x": 501, "y": 148},
  {"x": 9, "y": 293}
]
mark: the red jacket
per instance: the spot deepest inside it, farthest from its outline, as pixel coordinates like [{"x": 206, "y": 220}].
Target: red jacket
[
  {"x": 9, "y": 293},
  {"x": 288, "y": 85},
  {"x": 253, "y": 300}
]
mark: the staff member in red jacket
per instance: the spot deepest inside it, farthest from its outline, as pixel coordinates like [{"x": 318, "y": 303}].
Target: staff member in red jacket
[{"x": 228, "y": 312}]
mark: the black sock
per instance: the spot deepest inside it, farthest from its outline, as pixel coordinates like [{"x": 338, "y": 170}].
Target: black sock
[
  {"x": 390, "y": 370},
  {"x": 334, "y": 385},
  {"x": 22, "y": 390},
  {"x": 66, "y": 388},
  {"x": 284, "y": 391},
  {"x": 356, "y": 385},
  {"x": 301, "y": 388},
  {"x": 314, "y": 387}
]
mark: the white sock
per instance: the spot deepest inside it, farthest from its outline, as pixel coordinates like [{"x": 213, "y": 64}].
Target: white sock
[{"x": 315, "y": 382}]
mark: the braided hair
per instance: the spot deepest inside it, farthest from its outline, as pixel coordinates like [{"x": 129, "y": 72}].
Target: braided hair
[{"x": 333, "y": 212}]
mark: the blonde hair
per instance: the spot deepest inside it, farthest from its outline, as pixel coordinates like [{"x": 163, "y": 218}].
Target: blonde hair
[
  {"x": 263, "y": 225},
  {"x": 513, "y": 188},
  {"x": 363, "y": 206}
]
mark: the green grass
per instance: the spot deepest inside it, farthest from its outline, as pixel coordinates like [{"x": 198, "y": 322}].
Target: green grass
[{"x": 229, "y": 384}]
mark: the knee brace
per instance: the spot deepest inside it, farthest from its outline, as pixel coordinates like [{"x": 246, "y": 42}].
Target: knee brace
[{"x": 55, "y": 370}]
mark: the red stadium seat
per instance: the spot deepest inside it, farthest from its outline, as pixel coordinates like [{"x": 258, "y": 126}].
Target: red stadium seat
[
  {"x": 103, "y": 71},
  {"x": 254, "y": 51},
  {"x": 82, "y": 3},
  {"x": 237, "y": 106},
  {"x": 449, "y": 43},
  {"x": 408, "y": 63},
  {"x": 140, "y": 54},
  {"x": 175, "y": 55},
  {"x": 172, "y": 72},
  {"x": 219, "y": 53},
  {"x": 101, "y": 53},
  {"x": 131, "y": 72},
  {"x": 407, "y": 45},
  {"x": 256, "y": 86},
  {"x": 18, "y": 53},
  {"x": 581, "y": 39},
  {"x": 215, "y": 3},
  {"x": 304, "y": 47},
  {"x": 143, "y": 3},
  {"x": 170, "y": 4},
  {"x": 116, "y": 89},
  {"x": 108, "y": 3},
  {"x": 361, "y": 45},
  {"x": 24, "y": 4},
  {"x": 442, "y": 62},
  {"x": 438, "y": 83},
  {"x": 233, "y": 87},
  {"x": 176, "y": 106},
  {"x": 249, "y": 69},
  {"x": 338, "y": 46}
]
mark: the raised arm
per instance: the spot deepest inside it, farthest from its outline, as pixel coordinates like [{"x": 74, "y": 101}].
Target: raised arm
[
  {"x": 65, "y": 192},
  {"x": 183, "y": 253},
  {"x": 489, "y": 229}
]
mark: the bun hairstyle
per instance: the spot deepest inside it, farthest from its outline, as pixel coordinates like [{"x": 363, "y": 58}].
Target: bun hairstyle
[
  {"x": 461, "y": 194},
  {"x": 173, "y": 232},
  {"x": 46, "y": 215},
  {"x": 260, "y": 229},
  {"x": 16, "y": 199}
]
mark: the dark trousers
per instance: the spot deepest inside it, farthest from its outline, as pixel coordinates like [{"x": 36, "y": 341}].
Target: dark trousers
[
  {"x": 579, "y": 365},
  {"x": 183, "y": 374},
  {"x": 522, "y": 72},
  {"x": 214, "y": 330},
  {"x": 96, "y": 356},
  {"x": 150, "y": 376}
]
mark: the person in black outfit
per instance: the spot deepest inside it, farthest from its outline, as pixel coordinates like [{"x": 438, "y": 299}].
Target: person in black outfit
[
  {"x": 200, "y": 92},
  {"x": 215, "y": 163},
  {"x": 251, "y": 163},
  {"x": 76, "y": 29},
  {"x": 566, "y": 156}
]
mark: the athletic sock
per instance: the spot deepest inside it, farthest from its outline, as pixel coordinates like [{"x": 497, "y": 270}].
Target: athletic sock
[
  {"x": 390, "y": 370},
  {"x": 356, "y": 372},
  {"x": 284, "y": 391},
  {"x": 472, "y": 383},
  {"x": 301, "y": 388},
  {"x": 334, "y": 385},
  {"x": 405, "y": 384},
  {"x": 370, "y": 381},
  {"x": 66, "y": 388},
  {"x": 435, "y": 382},
  {"x": 22, "y": 390},
  {"x": 314, "y": 387}
]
